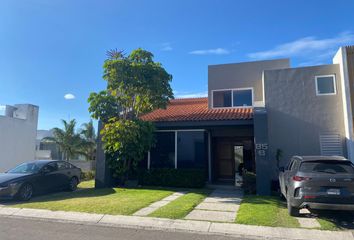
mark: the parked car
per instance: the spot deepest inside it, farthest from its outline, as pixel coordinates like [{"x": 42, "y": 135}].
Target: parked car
[
  {"x": 38, "y": 177},
  {"x": 318, "y": 182}
]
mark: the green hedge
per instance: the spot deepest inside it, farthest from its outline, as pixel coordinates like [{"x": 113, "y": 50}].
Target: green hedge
[
  {"x": 166, "y": 177},
  {"x": 87, "y": 175},
  {"x": 249, "y": 183}
]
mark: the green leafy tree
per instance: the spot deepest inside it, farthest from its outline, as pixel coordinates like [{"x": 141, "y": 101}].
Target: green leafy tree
[
  {"x": 89, "y": 138},
  {"x": 135, "y": 85},
  {"x": 70, "y": 143}
]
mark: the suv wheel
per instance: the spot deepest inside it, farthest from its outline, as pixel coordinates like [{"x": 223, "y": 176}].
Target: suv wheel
[{"x": 293, "y": 211}]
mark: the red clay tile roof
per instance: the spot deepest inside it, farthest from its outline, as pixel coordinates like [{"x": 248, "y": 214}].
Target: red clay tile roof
[{"x": 196, "y": 109}]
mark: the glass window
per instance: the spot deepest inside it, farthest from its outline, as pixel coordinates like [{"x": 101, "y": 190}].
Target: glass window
[
  {"x": 325, "y": 85},
  {"x": 64, "y": 165},
  {"x": 163, "y": 154},
  {"x": 51, "y": 167},
  {"x": 327, "y": 167},
  {"x": 242, "y": 98},
  {"x": 191, "y": 149},
  {"x": 222, "y": 98}
]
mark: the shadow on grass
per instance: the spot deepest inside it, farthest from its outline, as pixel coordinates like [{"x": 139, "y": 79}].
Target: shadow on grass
[
  {"x": 340, "y": 219},
  {"x": 59, "y": 196}
]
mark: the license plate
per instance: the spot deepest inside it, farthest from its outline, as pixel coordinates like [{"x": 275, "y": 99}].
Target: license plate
[{"x": 333, "y": 191}]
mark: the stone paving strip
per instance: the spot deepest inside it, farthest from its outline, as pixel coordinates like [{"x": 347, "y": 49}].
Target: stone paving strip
[
  {"x": 156, "y": 205},
  {"x": 232, "y": 229},
  {"x": 220, "y": 206},
  {"x": 307, "y": 221}
]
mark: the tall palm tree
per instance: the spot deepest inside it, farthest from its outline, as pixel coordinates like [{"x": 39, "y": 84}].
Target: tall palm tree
[
  {"x": 89, "y": 140},
  {"x": 69, "y": 142}
]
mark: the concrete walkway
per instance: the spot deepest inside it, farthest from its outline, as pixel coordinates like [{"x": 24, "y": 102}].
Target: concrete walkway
[
  {"x": 220, "y": 206},
  {"x": 156, "y": 205},
  {"x": 203, "y": 227}
]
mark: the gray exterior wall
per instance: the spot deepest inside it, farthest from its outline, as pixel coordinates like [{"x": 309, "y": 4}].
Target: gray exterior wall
[
  {"x": 296, "y": 116},
  {"x": 242, "y": 75}
]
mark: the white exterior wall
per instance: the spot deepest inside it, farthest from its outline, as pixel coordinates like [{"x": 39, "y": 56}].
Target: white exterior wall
[
  {"x": 341, "y": 59},
  {"x": 18, "y": 130}
]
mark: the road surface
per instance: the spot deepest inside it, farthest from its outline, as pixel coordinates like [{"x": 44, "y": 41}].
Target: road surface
[{"x": 28, "y": 229}]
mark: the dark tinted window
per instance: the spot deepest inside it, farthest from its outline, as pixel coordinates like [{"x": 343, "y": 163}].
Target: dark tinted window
[
  {"x": 31, "y": 167},
  {"x": 191, "y": 149},
  {"x": 163, "y": 154},
  {"x": 222, "y": 98},
  {"x": 326, "y": 85},
  {"x": 242, "y": 98},
  {"x": 327, "y": 167},
  {"x": 63, "y": 165},
  {"x": 51, "y": 167}
]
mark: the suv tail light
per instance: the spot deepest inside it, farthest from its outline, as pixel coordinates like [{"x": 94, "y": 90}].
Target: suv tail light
[{"x": 299, "y": 179}]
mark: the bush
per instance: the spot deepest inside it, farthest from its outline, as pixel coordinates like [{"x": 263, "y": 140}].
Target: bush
[
  {"x": 88, "y": 175},
  {"x": 249, "y": 183},
  {"x": 166, "y": 177}
]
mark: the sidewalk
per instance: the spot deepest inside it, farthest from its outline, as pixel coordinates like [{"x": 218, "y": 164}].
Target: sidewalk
[{"x": 177, "y": 225}]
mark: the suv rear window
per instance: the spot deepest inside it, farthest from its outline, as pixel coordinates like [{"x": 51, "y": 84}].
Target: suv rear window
[{"x": 327, "y": 167}]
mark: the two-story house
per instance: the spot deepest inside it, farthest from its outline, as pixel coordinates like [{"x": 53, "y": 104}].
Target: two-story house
[{"x": 255, "y": 111}]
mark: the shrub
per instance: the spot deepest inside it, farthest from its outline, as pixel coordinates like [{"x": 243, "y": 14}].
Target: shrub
[
  {"x": 87, "y": 175},
  {"x": 249, "y": 183},
  {"x": 166, "y": 177}
]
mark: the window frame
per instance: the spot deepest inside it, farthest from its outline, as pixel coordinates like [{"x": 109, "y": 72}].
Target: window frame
[
  {"x": 232, "y": 97},
  {"x": 334, "y": 85}
]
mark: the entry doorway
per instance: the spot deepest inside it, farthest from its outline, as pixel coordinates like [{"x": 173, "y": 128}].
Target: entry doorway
[{"x": 230, "y": 157}]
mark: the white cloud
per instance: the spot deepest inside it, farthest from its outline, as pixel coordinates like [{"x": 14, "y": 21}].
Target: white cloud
[
  {"x": 69, "y": 96},
  {"x": 166, "y": 47},
  {"x": 190, "y": 94},
  {"x": 307, "y": 47},
  {"x": 214, "y": 51}
]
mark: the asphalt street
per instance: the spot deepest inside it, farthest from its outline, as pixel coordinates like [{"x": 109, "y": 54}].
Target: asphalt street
[{"x": 28, "y": 229}]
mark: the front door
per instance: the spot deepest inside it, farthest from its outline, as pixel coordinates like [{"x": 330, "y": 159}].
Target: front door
[{"x": 228, "y": 158}]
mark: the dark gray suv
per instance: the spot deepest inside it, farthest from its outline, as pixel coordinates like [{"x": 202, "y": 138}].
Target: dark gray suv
[{"x": 318, "y": 182}]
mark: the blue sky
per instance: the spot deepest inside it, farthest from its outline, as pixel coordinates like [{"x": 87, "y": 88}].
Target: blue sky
[{"x": 50, "y": 49}]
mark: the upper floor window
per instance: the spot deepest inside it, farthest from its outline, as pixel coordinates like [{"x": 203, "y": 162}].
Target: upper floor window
[
  {"x": 233, "y": 98},
  {"x": 325, "y": 85}
]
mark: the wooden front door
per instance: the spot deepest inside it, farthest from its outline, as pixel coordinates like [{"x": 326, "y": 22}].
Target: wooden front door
[{"x": 224, "y": 159}]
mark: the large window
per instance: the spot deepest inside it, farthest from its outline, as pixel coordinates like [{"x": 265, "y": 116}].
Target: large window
[
  {"x": 232, "y": 98},
  {"x": 163, "y": 154},
  {"x": 325, "y": 85},
  {"x": 191, "y": 149}
]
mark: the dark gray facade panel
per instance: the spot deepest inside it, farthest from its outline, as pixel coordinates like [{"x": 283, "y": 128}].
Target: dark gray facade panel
[
  {"x": 296, "y": 115},
  {"x": 264, "y": 163}
]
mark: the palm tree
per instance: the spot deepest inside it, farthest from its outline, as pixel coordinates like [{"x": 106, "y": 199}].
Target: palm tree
[
  {"x": 89, "y": 138},
  {"x": 69, "y": 142}
]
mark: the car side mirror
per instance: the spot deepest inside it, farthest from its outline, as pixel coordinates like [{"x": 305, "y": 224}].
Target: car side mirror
[{"x": 281, "y": 169}]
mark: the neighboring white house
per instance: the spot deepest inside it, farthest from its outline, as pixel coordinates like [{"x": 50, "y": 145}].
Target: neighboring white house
[{"x": 18, "y": 130}]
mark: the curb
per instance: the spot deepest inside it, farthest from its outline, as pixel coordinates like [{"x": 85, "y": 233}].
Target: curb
[{"x": 203, "y": 227}]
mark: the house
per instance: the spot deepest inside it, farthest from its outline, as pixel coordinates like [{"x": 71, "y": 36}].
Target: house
[
  {"x": 18, "y": 129},
  {"x": 46, "y": 149},
  {"x": 255, "y": 111}
]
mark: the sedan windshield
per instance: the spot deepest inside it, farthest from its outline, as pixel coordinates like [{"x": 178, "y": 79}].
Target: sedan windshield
[{"x": 32, "y": 167}]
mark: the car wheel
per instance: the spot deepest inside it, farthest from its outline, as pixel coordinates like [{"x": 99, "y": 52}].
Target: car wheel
[
  {"x": 73, "y": 184},
  {"x": 26, "y": 192},
  {"x": 293, "y": 211}
]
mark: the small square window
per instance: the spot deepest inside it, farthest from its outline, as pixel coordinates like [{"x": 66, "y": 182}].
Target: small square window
[
  {"x": 222, "y": 98},
  {"x": 242, "y": 98},
  {"x": 325, "y": 85}
]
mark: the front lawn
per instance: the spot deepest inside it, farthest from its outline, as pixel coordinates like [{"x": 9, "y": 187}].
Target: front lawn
[
  {"x": 113, "y": 201},
  {"x": 265, "y": 211},
  {"x": 180, "y": 207}
]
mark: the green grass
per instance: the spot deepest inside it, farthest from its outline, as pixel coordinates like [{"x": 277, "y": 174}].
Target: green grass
[
  {"x": 87, "y": 184},
  {"x": 113, "y": 201},
  {"x": 180, "y": 207},
  {"x": 335, "y": 220},
  {"x": 265, "y": 211}
]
